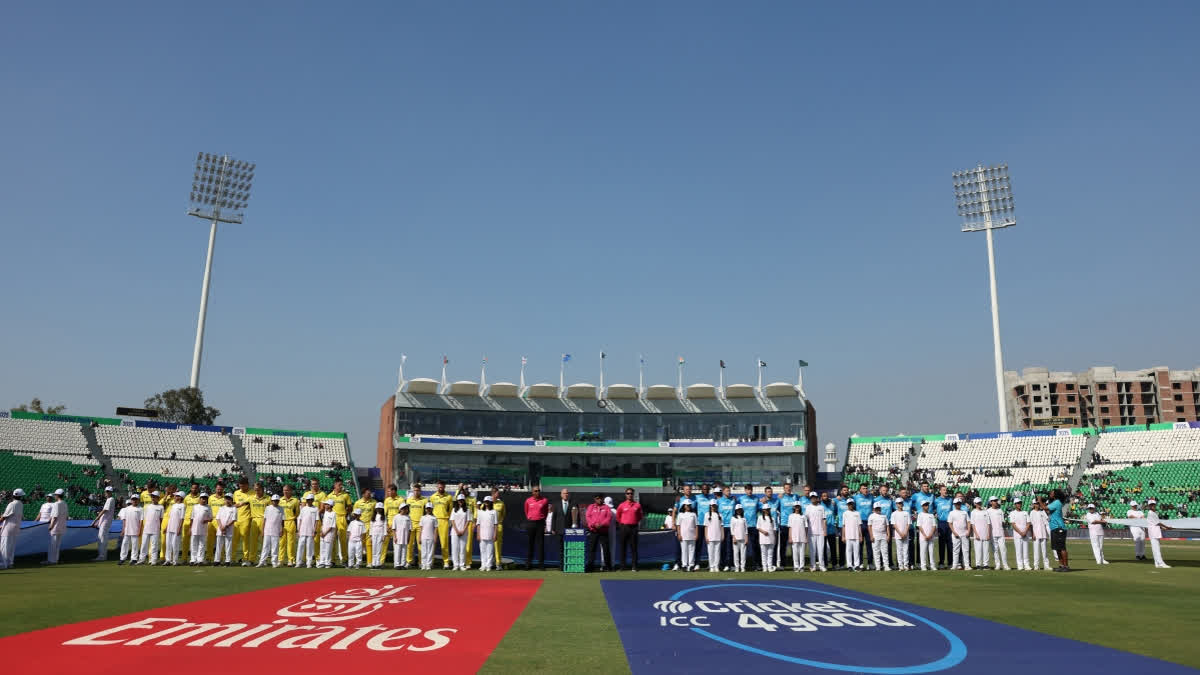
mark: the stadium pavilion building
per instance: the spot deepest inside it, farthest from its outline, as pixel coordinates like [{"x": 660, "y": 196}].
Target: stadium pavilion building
[{"x": 580, "y": 435}]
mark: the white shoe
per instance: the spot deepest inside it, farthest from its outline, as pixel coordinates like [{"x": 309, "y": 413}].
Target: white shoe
[
  {"x": 1104, "y": 562},
  {"x": 823, "y": 569},
  {"x": 1007, "y": 568},
  {"x": 1163, "y": 566}
]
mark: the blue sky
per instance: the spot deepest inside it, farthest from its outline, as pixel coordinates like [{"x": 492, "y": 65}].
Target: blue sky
[{"x": 712, "y": 180}]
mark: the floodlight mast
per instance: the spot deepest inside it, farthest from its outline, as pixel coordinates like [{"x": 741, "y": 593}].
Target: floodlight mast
[
  {"x": 220, "y": 190},
  {"x": 985, "y": 202}
]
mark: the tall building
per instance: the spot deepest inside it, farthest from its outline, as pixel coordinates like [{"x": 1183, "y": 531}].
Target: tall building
[{"x": 1101, "y": 397}]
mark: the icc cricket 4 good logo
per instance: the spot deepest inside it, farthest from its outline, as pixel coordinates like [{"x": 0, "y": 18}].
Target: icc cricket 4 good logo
[{"x": 810, "y": 627}]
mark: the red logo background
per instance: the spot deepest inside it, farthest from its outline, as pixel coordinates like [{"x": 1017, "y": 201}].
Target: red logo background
[{"x": 340, "y": 623}]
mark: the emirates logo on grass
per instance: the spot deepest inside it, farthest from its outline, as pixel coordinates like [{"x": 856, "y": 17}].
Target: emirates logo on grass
[{"x": 383, "y": 625}]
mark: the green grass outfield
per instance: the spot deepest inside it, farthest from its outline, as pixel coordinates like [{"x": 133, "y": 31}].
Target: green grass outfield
[{"x": 1126, "y": 605}]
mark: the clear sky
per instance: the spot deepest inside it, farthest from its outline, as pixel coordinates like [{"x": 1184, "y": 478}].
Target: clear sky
[{"x": 712, "y": 180}]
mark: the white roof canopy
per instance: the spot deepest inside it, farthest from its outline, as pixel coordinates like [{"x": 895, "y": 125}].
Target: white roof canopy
[
  {"x": 505, "y": 389},
  {"x": 739, "y": 391},
  {"x": 781, "y": 390},
  {"x": 581, "y": 390},
  {"x": 543, "y": 390},
  {"x": 622, "y": 391},
  {"x": 422, "y": 385},
  {"x": 464, "y": 388},
  {"x": 661, "y": 391},
  {"x": 701, "y": 390}
]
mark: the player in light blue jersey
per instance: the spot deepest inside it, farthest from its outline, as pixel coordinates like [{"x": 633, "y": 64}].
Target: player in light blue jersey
[{"x": 749, "y": 503}]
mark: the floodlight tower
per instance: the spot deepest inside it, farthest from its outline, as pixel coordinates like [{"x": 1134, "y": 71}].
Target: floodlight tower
[
  {"x": 220, "y": 190},
  {"x": 985, "y": 202}
]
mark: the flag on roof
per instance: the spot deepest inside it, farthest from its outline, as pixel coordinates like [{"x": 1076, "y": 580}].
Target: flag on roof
[
  {"x": 722, "y": 363},
  {"x": 681, "y": 361},
  {"x": 602, "y": 355},
  {"x": 524, "y": 360},
  {"x": 566, "y": 357},
  {"x": 762, "y": 364},
  {"x": 445, "y": 360},
  {"x": 803, "y": 363}
]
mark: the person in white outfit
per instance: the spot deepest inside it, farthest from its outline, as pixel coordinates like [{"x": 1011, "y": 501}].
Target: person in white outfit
[
  {"x": 272, "y": 532},
  {"x": 329, "y": 533},
  {"x": 379, "y": 533},
  {"x": 960, "y": 536},
  {"x": 103, "y": 523},
  {"x": 10, "y": 528},
  {"x": 58, "y": 527},
  {"x": 739, "y": 532},
  {"x": 714, "y": 534},
  {"x": 306, "y": 529},
  {"x": 1137, "y": 532},
  {"x": 981, "y": 532},
  {"x": 174, "y": 518},
  {"x": 1039, "y": 523},
  {"x": 1154, "y": 533},
  {"x": 766, "y": 537},
  {"x": 486, "y": 522},
  {"x": 401, "y": 531},
  {"x": 815, "y": 514},
  {"x": 877, "y": 526},
  {"x": 687, "y": 530},
  {"x": 46, "y": 511},
  {"x": 852, "y": 526},
  {"x": 131, "y": 530},
  {"x": 355, "y": 530},
  {"x": 427, "y": 534},
  {"x": 996, "y": 525},
  {"x": 1095, "y": 522},
  {"x": 460, "y": 519},
  {"x": 201, "y": 517},
  {"x": 927, "y": 533},
  {"x": 225, "y": 523},
  {"x": 797, "y": 535},
  {"x": 901, "y": 523},
  {"x": 1021, "y": 534},
  {"x": 152, "y": 520}
]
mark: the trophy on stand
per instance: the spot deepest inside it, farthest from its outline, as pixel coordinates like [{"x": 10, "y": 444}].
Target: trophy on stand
[{"x": 574, "y": 516}]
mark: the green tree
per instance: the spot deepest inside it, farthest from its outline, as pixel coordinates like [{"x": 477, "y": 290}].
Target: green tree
[
  {"x": 35, "y": 406},
  {"x": 182, "y": 406}
]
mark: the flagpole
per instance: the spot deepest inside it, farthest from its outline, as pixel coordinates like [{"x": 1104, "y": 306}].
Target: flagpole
[
  {"x": 680, "y": 390},
  {"x": 602, "y": 374},
  {"x": 521, "y": 388},
  {"x": 444, "y": 362},
  {"x": 403, "y": 358},
  {"x": 758, "y": 364},
  {"x": 483, "y": 375},
  {"x": 641, "y": 372},
  {"x": 721, "y": 386},
  {"x": 800, "y": 378},
  {"x": 562, "y": 370}
]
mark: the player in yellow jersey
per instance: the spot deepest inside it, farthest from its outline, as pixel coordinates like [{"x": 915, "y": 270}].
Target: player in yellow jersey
[
  {"x": 241, "y": 529},
  {"x": 366, "y": 504},
  {"x": 319, "y": 497},
  {"x": 391, "y": 506},
  {"x": 471, "y": 506},
  {"x": 498, "y": 507},
  {"x": 259, "y": 502},
  {"x": 442, "y": 501},
  {"x": 287, "y": 543},
  {"x": 416, "y": 509},
  {"x": 215, "y": 501},
  {"x": 342, "y": 502}
]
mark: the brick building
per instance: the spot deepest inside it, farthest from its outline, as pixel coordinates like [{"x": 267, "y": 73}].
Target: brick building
[{"x": 1101, "y": 397}]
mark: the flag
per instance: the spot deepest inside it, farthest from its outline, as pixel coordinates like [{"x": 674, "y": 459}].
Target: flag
[
  {"x": 445, "y": 360},
  {"x": 403, "y": 358},
  {"x": 566, "y": 357},
  {"x": 681, "y": 361},
  {"x": 641, "y": 359},
  {"x": 602, "y": 355},
  {"x": 722, "y": 363},
  {"x": 762, "y": 364},
  {"x": 803, "y": 363},
  {"x": 485, "y": 360},
  {"x": 524, "y": 360}
]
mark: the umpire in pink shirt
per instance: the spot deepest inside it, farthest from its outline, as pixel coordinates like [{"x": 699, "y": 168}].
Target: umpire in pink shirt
[
  {"x": 536, "y": 509},
  {"x": 629, "y": 516},
  {"x": 598, "y": 520}
]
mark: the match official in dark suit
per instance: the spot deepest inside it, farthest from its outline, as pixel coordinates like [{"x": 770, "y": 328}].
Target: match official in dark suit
[{"x": 562, "y": 515}]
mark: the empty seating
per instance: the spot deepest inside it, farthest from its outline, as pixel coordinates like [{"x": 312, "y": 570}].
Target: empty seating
[
  {"x": 40, "y": 437},
  {"x": 269, "y": 452}
]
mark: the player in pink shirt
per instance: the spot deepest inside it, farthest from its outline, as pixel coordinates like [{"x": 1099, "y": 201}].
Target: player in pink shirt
[
  {"x": 537, "y": 507},
  {"x": 629, "y": 516}
]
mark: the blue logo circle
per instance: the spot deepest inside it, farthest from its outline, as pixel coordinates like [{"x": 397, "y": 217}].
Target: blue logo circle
[{"x": 954, "y": 655}]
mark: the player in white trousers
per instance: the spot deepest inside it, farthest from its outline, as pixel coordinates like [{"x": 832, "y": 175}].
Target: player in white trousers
[
  {"x": 272, "y": 532},
  {"x": 815, "y": 513},
  {"x": 996, "y": 524},
  {"x": 1154, "y": 533},
  {"x": 401, "y": 531},
  {"x": 103, "y": 523},
  {"x": 877, "y": 527},
  {"x": 355, "y": 530},
  {"x": 306, "y": 529},
  {"x": 797, "y": 536},
  {"x": 927, "y": 534},
  {"x": 714, "y": 534},
  {"x": 10, "y": 528},
  {"x": 687, "y": 529},
  {"x": 960, "y": 536},
  {"x": 131, "y": 531},
  {"x": 152, "y": 520},
  {"x": 1021, "y": 534},
  {"x": 427, "y": 534},
  {"x": 901, "y": 523},
  {"x": 1138, "y": 533},
  {"x": 766, "y": 537},
  {"x": 225, "y": 523},
  {"x": 201, "y": 517},
  {"x": 329, "y": 533},
  {"x": 852, "y": 535},
  {"x": 175, "y": 529},
  {"x": 58, "y": 526},
  {"x": 460, "y": 522},
  {"x": 981, "y": 533},
  {"x": 739, "y": 531},
  {"x": 486, "y": 522},
  {"x": 378, "y": 532},
  {"x": 1039, "y": 523},
  {"x": 1095, "y": 522}
]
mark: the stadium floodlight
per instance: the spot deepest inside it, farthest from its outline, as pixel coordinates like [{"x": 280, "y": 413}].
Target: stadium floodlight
[
  {"x": 985, "y": 202},
  {"x": 220, "y": 192}
]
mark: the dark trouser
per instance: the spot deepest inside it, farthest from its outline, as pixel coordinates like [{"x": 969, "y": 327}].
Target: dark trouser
[
  {"x": 753, "y": 552},
  {"x": 783, "y": 544},
  {"x": 832, "y": 540},
  {"x": 592, "y": 539},
  {"x": 537, "y": 537},
  {"x": 727, "y": 550},
  {"x": 867, "y": 560},
  {"x": 945, "y": 545},
  {"x": 628, "y": 535},
  {"x": 678, "y": 551},
  {"x": 560, "y": 542},
  {"x": 842, "y": 548},
  {"x": 912, "y": 546}
]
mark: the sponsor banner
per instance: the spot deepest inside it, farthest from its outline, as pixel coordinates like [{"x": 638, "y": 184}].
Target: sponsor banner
[
  {"x": 1053, "y": 422},
  {"x": 331, "y": 625},
  {"x": 805, "y": 627},
  {"x": 4, "y": 414}
]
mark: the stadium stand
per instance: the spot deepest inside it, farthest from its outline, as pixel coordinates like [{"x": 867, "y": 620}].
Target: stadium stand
[
  {"x": 878, "y": 461},
  {"x": 1136, "y": 464},
  {"x": 44, "y": 456},
  {"x": 1000, "y": 464}
]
